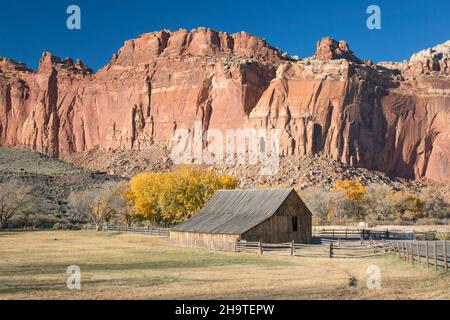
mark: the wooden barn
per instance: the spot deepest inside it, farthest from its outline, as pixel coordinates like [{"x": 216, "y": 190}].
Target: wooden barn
[{"x": 267, "y": 215}]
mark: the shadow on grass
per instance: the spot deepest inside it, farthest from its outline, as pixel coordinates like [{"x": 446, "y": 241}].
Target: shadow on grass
[
  {"x": 30, "y": 286},
  {"x": 192, "y": 263}
]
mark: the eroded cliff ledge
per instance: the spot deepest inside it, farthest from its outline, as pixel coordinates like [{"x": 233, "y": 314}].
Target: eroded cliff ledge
[{"x": 391, "y": 117}]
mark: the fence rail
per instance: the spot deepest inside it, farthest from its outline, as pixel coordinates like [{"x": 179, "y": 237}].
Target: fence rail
[
  {"x": 376, "y": 234},
  {"x": 329, "y": 249},
  {"x": 150, "y": 230},
  {"x": 431, "y": 253}
]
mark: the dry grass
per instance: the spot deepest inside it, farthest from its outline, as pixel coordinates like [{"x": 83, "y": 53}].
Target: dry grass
[{"x": 125, "y": 266}]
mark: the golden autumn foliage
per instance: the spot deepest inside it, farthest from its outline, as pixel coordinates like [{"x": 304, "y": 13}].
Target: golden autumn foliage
[
  {"x": 351, "y": 201},
  {"x": 353, "y": 189},
  {"x": 172, "y": 197}
]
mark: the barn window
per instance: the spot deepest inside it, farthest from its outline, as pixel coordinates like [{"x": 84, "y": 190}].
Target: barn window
[{"x": 294, "y": 224}]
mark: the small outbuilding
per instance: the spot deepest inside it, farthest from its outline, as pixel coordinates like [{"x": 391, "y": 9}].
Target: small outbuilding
[{"x": 266, "y": 215}]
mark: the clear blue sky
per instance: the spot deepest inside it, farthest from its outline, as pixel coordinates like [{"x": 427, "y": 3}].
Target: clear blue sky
[{"x": 27, "y": 28}]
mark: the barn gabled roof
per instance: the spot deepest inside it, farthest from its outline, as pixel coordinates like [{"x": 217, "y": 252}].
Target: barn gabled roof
[{"x": 235, "y": 211}]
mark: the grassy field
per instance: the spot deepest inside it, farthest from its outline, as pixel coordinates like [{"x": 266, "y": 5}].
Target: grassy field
[{"x": 128, "y": 266}]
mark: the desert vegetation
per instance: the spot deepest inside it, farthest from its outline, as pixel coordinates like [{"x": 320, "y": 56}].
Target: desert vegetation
[
  {"x": 37, "y": 191},
  {"x": 350, "y": 201},
  {"x": 47, "y": 183},
  {"x": 16, "y": 201},
  {"x": 169, "y": 198},
  {"x": 156, "y": 198}
]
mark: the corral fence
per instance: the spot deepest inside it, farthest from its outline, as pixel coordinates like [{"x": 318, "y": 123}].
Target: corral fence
[
  {"x": 149, "y": 230},
  {"x": 367, "y": 234},
  {"x": 327, "y": 249},
  {"x": 430, "y": 253}
]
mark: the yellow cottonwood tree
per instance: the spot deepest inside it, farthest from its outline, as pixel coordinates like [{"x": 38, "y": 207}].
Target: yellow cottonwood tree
[
  {"x": 172, "y": 197},
  {"x": 353, "y": 189}
]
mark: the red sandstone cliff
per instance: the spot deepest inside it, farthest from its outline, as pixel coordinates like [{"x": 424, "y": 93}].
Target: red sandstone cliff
[{"x": 391, "y": 117}]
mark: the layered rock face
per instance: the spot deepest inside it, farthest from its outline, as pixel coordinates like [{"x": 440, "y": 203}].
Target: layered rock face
[
  {"x": 388, "y": 119},
  {"x": 433, "y": 61},
  {"x": 330, "y": 49},
  {"x": 153, "y": 85},
  {"x": 391, "y": 117}
]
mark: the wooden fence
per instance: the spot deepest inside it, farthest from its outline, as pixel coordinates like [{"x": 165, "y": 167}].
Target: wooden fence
[
  {"x": 431, "y": 253},
  {"x": 328, "y": 249},
  {"x": 374, "y": 234},
  {"x": 150, "y": 230}
]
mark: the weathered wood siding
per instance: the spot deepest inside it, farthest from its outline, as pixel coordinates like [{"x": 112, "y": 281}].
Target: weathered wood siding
[
  {"x": 278, "y": 228},
  {"x": 222, "y": 242}
]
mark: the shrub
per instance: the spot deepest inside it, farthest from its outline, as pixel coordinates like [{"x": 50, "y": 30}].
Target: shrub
[{"x": 443, "y": 236}]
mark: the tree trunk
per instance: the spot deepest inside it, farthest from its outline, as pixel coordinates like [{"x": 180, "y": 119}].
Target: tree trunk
[{"x": 98, "y": 227}]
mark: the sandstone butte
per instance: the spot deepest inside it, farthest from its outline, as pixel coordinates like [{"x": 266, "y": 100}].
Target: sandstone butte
[{"x": 390, "y": 117}]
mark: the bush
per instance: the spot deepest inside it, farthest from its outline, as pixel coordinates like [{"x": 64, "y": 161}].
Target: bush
[
  {"x": 443, "y": 236},
  {"x": 67, "y": 226}
]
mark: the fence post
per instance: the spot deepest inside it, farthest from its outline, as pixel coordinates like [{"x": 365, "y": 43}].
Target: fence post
[
  {"x": 434, "y": 254},
  {"x": 346, "y": 232},
  {"x": 407, "y": 251},
  {"x": 236, "y": 246},
  {"x": 260, "y": 247},
  {"x": 412, "y": 252},
  {"x": 331, "y": 250},
  {"x": 418, "y": 252},
  {"x": 444, "y": 250},
  {"x": 426, "y": 255},
  {"x": 292, "y": 248}
]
